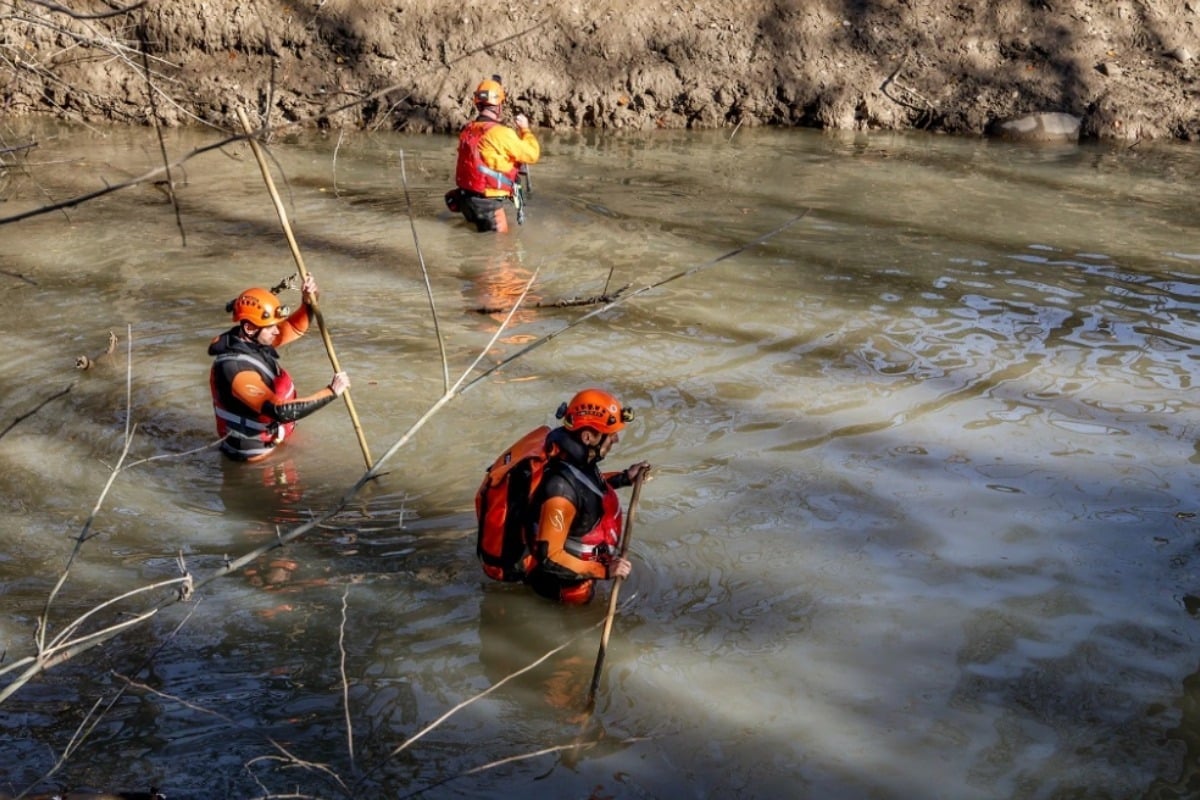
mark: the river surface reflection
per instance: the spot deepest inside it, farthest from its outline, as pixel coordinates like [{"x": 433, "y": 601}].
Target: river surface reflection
[{"x": 923, "y": 516}]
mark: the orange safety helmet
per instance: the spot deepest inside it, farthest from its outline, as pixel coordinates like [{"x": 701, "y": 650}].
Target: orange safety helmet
[
  {"x": 489, "y": 93},
  {"x": 595, "y": 409},
  {"x": 258, "y": 307}
]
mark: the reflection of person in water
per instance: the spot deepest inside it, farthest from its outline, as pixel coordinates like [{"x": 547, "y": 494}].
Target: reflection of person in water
[
  {"x": 516, "y": 630},
  {"x": 496, "y": 288},
  {"x": 270, "y": 494}
]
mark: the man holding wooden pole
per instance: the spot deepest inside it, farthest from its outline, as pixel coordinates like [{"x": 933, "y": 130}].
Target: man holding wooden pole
[{"x": 254, "y": 398}]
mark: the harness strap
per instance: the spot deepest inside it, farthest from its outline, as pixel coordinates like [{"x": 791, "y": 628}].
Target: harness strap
[
  {"x": 239, "y": 423},
  {"x": 244, "y": 423},
  {"x": 499, "y": 177}
]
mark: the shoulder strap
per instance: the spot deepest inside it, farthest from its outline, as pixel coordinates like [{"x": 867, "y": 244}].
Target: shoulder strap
[{"x": 584, "y": 478}]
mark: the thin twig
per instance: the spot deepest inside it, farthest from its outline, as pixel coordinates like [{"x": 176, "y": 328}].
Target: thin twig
[
  {"x": 336, "y": 148},
  {"x": 91, "y": 720},
  {"x": 287, "y": 756},
  {"x": 345, "y": 682},
  {"x": 162, "y": 146},
  {"x": 499, "y": 763},
  {"x": 442, "y": 401},
  {"x": 412, "y": 222}
]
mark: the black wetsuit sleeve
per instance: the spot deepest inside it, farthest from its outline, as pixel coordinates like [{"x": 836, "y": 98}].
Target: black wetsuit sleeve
[{"x": 298, "y": 409}]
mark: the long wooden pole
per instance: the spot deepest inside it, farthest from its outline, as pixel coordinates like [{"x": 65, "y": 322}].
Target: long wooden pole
[
  {"x": 287, "y": 229},
  {"x": 616, "y": 589}
]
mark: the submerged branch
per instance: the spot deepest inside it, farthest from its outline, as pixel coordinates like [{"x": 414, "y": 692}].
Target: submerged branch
[
  {"x": 683, "y": 273},
  {"x": 36, "y": 409},
  {"x": 567, "y": 303}
]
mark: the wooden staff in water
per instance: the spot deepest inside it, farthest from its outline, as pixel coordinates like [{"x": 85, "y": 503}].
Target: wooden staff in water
[
  {"x": 616, "y": 589},
  {"x": 287, "y": 229}
]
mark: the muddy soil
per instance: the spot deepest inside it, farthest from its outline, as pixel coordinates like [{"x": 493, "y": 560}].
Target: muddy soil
[{"x": 1126, "y": 69}]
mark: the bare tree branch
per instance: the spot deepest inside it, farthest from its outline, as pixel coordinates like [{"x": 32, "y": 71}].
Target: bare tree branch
[
  {"x": 162, "y": 147},
  {"x": 412, "y": 222},
  {"x": 322, "y": 114},
  {"x": 116, "y": 12}
]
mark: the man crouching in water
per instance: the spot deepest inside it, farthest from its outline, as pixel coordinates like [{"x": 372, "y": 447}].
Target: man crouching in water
[
  {"x": 253, "y": 396},
  {"x": 575, "y": 507}
]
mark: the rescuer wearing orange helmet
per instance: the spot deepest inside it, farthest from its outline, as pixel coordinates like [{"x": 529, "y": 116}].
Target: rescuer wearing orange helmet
[
  {"x": 490, "y": 156},
  {"x": 254, "y": 398},
  {"x": 575, "y": 510}
]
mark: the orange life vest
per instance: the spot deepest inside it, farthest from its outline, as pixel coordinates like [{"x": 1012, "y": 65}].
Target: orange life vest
[{"x": 502, "y": 505}]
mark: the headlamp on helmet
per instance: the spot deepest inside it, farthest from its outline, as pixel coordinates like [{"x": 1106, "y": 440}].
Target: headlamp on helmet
[{"x": 489, "y": 93}]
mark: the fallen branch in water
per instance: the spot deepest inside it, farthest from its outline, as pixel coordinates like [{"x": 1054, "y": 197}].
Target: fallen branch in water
[
  {"x": 573, "y": 302},
  {"x": 676, "y": 276},
  {"x": 17, "y": 149},
  {"x": 926, "y": 109},
  {"x": 18, "y": 276},
  {"x": 36, "y": 409},
  {"x": 143, "y": 46}
]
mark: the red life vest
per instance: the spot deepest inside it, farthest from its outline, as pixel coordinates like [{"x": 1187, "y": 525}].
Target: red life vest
[
  {"x": 252, "y": 436},
  {"x": 471, "y": 174},
  {"x": 601, "y": 542}
]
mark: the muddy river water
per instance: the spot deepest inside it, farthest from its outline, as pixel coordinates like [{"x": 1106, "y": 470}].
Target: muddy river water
[{"x": 922, "y": 521}]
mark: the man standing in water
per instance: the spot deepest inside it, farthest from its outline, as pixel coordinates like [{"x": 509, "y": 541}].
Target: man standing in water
[
  {"x": 253, "y": 396},
  {"x": 575, "y": 510},
  {"x": 490, "y": 156}
]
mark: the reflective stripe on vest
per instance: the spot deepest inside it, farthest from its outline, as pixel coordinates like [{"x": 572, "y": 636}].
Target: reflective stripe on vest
[
  {"x": 260, "y": 428},
  {"x": 605, "y": 535}
]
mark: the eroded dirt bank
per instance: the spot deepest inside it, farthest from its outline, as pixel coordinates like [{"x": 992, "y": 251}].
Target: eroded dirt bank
[{"x": 1127, "y": 69}]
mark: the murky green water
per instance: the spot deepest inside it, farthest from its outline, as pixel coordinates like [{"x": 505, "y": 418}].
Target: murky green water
[{"x": 923, "y": 520}]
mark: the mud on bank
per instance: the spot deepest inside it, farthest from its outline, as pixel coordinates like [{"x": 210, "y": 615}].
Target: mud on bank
[{"x": 1126, "y": 68}]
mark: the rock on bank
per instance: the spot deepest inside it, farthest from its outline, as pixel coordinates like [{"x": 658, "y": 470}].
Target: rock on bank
[{"x": 1126, "y": 68}]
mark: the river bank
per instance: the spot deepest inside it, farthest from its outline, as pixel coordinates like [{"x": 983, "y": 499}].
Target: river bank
[{"x": 1126, "y": 70}]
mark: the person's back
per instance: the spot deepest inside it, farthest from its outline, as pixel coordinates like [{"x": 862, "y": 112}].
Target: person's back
[{"x": 490, "y": 156}]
